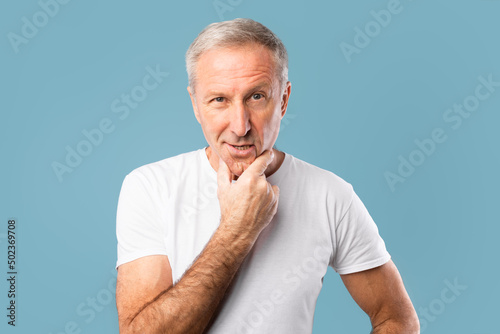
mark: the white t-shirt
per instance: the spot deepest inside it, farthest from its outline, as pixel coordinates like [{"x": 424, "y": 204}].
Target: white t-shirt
[{"x": 171, "y": 207}]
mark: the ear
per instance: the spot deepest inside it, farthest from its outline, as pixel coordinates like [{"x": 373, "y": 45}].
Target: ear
[
  {"x": 285, "y": 97},
  {"x": 193, "y": 102}
]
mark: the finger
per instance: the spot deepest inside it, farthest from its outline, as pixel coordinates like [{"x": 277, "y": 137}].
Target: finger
[
  {"x": 260, "y": 164},
  {"x": 224, "y": 175},
  {"x": 276, "y": 190}
]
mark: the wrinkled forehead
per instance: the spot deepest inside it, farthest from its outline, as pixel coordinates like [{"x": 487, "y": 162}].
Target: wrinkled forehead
[{"x": 236, "y": 64}]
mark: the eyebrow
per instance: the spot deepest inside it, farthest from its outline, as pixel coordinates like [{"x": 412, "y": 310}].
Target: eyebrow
[{"x": 255, "y": 88}]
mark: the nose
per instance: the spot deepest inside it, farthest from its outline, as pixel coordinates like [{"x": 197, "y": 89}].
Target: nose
[{"x": 239, "y": 120}]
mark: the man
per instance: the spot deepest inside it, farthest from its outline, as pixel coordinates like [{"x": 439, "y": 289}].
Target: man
[{"x": 236, "y": 238}]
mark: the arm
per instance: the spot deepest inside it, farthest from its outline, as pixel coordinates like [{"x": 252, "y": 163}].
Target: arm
[
  {"x": 148, "y": 302},
  {"x": 381, "y": 294},
  {"x": 186, "y": 307}
]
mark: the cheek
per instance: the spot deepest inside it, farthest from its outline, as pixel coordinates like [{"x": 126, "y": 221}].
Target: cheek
[
  {"x": 212, "y": 127},
  {"x": 271, "y": 128}
]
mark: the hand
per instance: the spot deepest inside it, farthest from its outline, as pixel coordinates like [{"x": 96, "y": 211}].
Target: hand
[{"x": 248, "y": 205}]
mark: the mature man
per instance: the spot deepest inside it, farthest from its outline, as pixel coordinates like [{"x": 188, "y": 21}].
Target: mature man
[{"x": 236, "y": 237}]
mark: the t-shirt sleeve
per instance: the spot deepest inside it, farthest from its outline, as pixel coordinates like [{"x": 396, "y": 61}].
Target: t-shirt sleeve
[
  {"x": 358, "y": 245},
  {"x": 138, "y": 225}
]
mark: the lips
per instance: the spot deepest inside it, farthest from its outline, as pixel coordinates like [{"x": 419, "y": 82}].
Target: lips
[
  {"x": 241, "y": 151},
  {"x": 242, "y": 147}
]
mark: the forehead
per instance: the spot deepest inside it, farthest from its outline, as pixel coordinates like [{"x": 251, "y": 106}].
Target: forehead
[{"x": 232, "y": 67}]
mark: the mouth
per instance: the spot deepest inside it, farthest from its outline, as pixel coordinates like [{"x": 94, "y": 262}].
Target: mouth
[
  {"x": 242, "y": 147},
  {"x": 241, "y": 151}
]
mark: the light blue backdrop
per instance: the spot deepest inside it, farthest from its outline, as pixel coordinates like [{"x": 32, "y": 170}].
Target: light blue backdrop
[{"x": 366, "y": 87}]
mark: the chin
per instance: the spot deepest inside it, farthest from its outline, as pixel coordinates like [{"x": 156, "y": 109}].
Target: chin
[{"x": 237, "y": 168}]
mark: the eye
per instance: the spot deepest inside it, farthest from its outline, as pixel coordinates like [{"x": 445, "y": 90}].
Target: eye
[
  {"x": 257, "y": 96},
  {"x": 219, "y": 99}
]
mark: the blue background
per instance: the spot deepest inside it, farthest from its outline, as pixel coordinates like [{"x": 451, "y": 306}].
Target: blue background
[{"x": 353, "y": 118}]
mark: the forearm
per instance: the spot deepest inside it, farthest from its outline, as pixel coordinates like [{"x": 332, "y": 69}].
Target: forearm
[{"x": 188, "y": 306}]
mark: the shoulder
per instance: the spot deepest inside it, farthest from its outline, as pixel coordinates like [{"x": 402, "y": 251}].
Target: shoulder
[
  {"x": 159, "y": 173},
  {"x": 168, "y": 166},
  {"x": 319, "y": 178}
]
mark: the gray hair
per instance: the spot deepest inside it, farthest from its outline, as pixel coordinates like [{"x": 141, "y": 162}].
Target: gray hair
[{"x": 237, "y": 32}]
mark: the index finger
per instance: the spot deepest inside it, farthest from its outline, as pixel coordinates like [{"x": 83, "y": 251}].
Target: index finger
[{"x": 260, "y": 164}]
